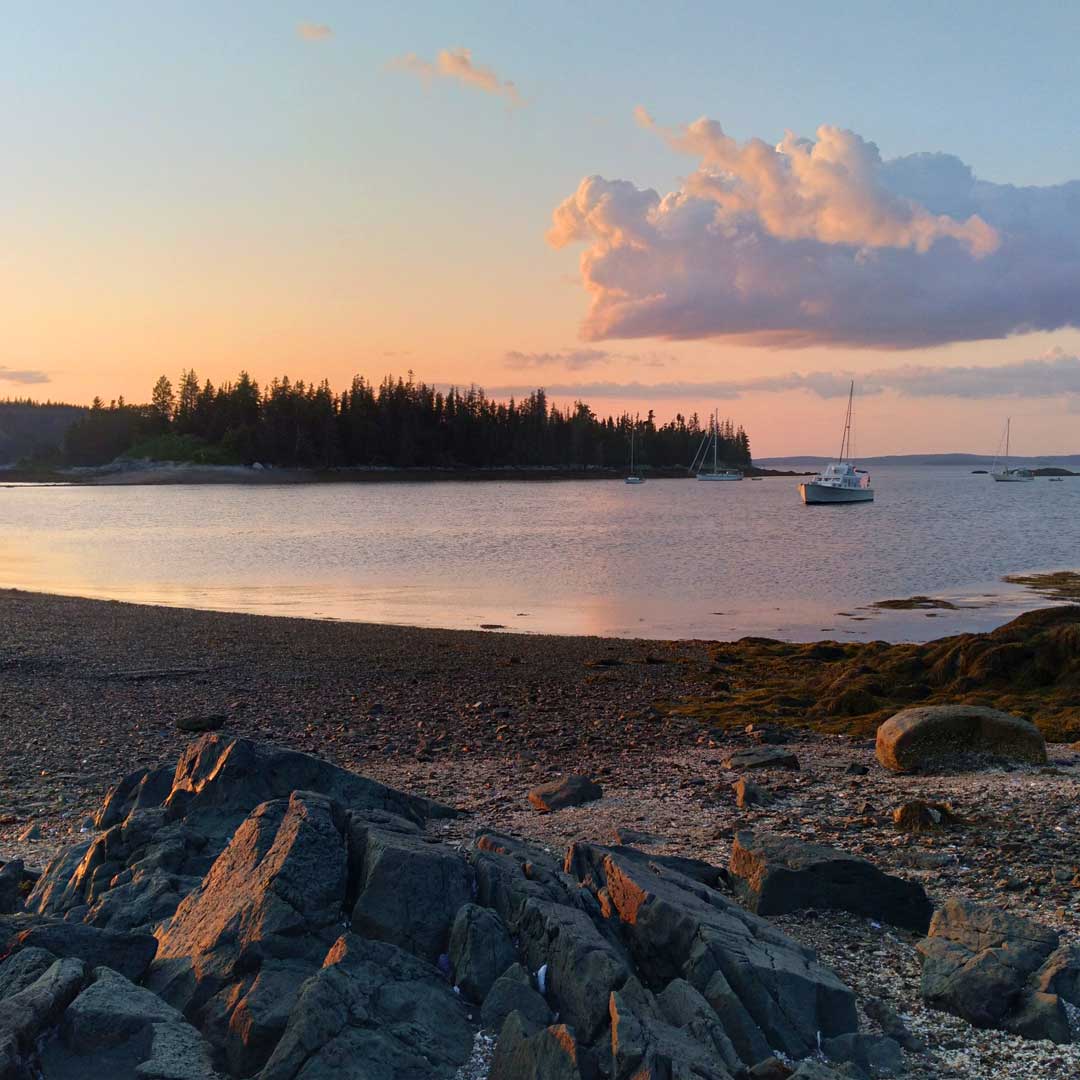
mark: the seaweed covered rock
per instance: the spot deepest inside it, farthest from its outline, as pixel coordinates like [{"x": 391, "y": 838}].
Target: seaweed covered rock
[{"x": 956, "y": 736}]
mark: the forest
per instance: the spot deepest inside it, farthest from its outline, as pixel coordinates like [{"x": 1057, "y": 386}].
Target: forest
[{"x": 400, "y": 423}]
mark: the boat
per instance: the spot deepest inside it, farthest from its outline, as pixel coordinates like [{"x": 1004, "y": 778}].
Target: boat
[
  {"x": 712, "y": 439},
  {"x": 633, "y": 478},
  {"x": 1005, "y": 475},
  {"x": 840, "y": 482},
  {"x": 1057, "y": 479}
]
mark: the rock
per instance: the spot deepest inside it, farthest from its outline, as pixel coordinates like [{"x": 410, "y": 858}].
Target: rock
[
  {"x": 766, "y": 991},
  {"x": 892, "y": 1025},
  {"x": 767, "y": 733},
  {"x": 524, "y": 1054},
  {"x": 686, "y": 1038},
  {"x": 513, "y": 992},
  {"x": 409, "y": 890},
  {"x": 372, "y": 1010},
  {"x": 856, "y": 769},
  {"x": 749, "y": 794},
  {"x": 202, "y": 722},
  {"x": 761, "y": 757},
  {"x": 33, "y": 1010},
  {"x": 772, "y": 1068},
  {"x": 572, "y": 790},
  {"x": 875, "y": 1055},
  {"x": 277, "y": 891},
  {"x": 110, "y": 1011},
  {"x": 31, "y": 832},
  {"x": 12, "y": 876},
  {"x": 983, "y": 965},
  {"x": 19, "y": 969},
  {"x": 129, "y": 954},
  {"x": 956, "y": 736},
  {"x": 775, "y": 875},
  {"x": 1061, "y": 975},
  {"x": 480, "y": 950},
  {"x": 918, "y": 816}
]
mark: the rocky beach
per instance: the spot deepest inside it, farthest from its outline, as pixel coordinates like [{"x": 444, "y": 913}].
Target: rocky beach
[{"x": 734, "y": 885}]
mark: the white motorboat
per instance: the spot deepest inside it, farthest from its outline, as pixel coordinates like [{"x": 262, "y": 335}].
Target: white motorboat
[
  {"x": 712, "y": 441},
  {"x": 840, "y": 482},
  {"x": 1002, "y": 473}
]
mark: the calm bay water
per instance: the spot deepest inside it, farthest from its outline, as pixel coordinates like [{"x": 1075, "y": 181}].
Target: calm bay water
[{"x": 668, "y": 559}]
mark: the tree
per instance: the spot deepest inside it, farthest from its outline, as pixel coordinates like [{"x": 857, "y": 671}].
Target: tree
[{"x": 162, "y": 400}]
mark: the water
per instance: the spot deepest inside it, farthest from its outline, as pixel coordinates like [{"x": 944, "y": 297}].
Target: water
[{"x": 667, "y": 559}]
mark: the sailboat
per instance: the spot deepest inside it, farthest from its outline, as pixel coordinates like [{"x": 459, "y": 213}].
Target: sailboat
[
  {"x": 633, "y": 478},
  {"x": 840, "y": 482},
  {"x": 1005, "y": 475},
  {"x": 712, "y": 439}
]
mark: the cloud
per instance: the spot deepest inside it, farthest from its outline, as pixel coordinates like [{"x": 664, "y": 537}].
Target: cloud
[
  {"x": 28, "y": 377},
  {"x": 580, "y": 359},
  {"x": 457, "y": 64},
  {"x": 821, "y": 241},
  {"x": 314, "y": 31},
  {"x": 1056, "y": 375}
]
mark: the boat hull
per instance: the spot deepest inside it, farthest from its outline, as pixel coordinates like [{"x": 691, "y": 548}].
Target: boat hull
[
  {"x": 821, "y": 494},
  {"x": 718, "y": 476},
  {"x": 1000, "y": 479}
]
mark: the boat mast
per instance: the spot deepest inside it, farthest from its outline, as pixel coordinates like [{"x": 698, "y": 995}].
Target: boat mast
[
  {"x": 845, "y": 442},
  {"x": 715, "y": 436},
  {"x": 1008, "y": 425}
]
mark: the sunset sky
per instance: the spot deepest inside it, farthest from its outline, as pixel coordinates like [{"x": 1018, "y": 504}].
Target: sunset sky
[{"x": 684, "y": 206}]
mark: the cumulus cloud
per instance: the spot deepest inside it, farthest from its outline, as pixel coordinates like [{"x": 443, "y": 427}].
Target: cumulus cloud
[
  {"x": 27, "y": 376},
  {"x": 821, "y": 242},
  {"x": 458, "y": 65},
  {"x": 1056, "y": 375},
  {"x": 314, "y": 31}
]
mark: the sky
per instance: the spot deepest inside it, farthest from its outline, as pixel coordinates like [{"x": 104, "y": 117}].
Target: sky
[{"x": 685, "y": 207}]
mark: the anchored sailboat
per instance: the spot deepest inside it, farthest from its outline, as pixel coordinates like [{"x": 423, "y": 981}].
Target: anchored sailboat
[
  {"x": 1005, "y": 475},
  {"x": 712, "y": 440},
  {"x": 633, "y": 478},
  {"x": 840, "y": 482}
]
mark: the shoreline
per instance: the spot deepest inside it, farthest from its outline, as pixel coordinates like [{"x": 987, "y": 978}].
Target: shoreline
[
  {"x": 166, "y": 473},
  {"x": 94, "y": 689}
]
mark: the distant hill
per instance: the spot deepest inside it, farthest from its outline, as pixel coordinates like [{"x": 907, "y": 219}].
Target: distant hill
[
  {"x": 971, "y": 461},
  {"x": 27, "y": 429}
]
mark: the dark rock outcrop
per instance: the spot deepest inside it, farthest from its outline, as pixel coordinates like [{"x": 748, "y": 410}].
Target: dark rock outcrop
[
  {"x": 956, "y": 737},
  {"x": 776, "y": 874},
  {"x": 273, "y": 916},
  {"x": 997, "y": 970}
]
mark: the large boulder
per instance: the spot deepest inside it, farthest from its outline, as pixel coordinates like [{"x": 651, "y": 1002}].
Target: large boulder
[
  {"x": 995, "y": 970},
  {"x": 526, "y": 1053},
  {"x": 774, "y": 875},
  {"x": 956, "y": 736}
]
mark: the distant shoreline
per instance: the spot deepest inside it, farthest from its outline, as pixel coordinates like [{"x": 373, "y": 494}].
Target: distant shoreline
[{"x": 165, "y": 473}]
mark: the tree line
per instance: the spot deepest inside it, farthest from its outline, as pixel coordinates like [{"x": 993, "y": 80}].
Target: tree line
[{"x": 400, "y": 423}]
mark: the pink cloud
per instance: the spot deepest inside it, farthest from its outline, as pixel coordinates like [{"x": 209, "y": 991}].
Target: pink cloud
[{"x": 458, "y": 65}]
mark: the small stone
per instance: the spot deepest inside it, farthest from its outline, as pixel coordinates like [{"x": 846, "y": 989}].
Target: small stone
[
  {"x": 761, "y": 757},
  {"x": 31, "y": 832},
  {"x": 750, "y": 794},
  {"x": 572, "y": 790},
  {"x": 200, "y": 723}
]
